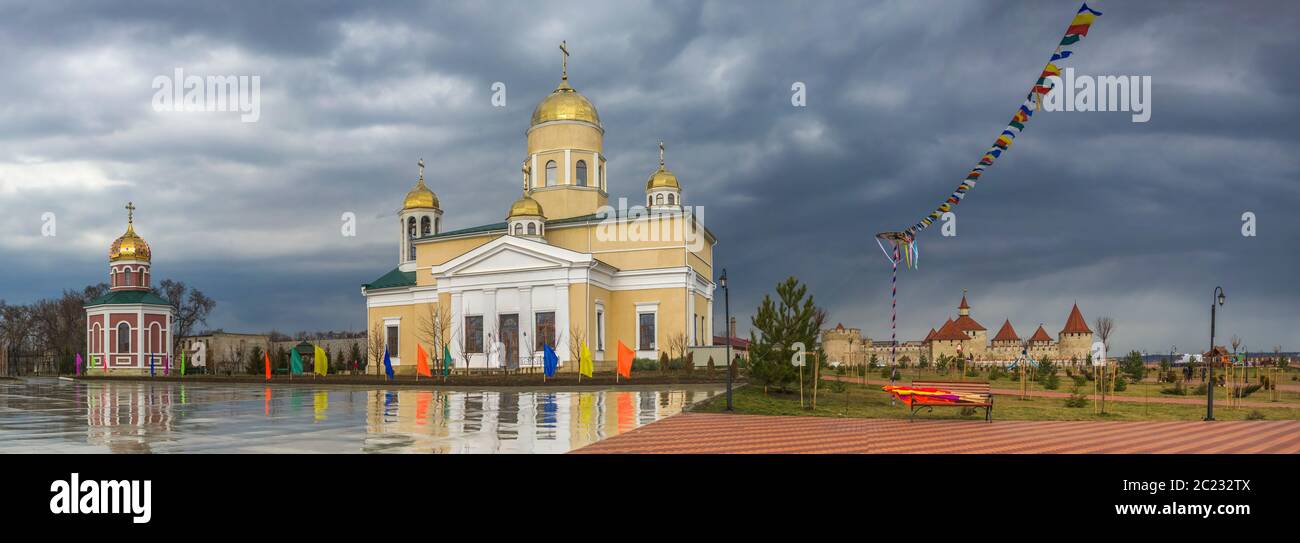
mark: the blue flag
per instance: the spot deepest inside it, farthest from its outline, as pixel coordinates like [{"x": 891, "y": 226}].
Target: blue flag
[
  {"x": 388, "y": 365},
  {"x": 549, "y": 360},
  {"x": 150, "y": 365}
]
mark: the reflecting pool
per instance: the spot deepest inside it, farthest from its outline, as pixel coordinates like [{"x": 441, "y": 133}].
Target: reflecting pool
[{"x": 52, "y": 415}]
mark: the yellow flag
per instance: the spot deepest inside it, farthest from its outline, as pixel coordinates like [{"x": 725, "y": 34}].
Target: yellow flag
[
  {"x": 584, "y": 361},
  {"x": 321, "y": 361}
]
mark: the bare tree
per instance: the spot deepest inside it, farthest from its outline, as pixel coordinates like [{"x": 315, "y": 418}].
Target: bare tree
[
  {"x": 375, "y": 345},
  {"x": 435, "y": 328},
  {"x": 1105, "y": 325},
  {"x": 677, "y": 343},
  {"x": 190, "y": 308},
  {"x": 1236, "y": 343},
  {"x": 577, "y": 338}
]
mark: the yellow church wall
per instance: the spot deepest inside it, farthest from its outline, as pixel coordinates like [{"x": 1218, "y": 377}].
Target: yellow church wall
[
  {"x": 563, "y": 202},
  {"x": 575, "y": 136},
  {"x": 621, "y": 320},
  {"x": 408, "y": 334}
]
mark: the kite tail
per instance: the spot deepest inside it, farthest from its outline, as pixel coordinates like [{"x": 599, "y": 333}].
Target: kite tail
[{"x": 1077, "y": 30}]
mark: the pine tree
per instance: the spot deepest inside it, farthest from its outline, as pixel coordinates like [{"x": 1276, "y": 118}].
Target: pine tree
[{"x": 777, "y": 327}]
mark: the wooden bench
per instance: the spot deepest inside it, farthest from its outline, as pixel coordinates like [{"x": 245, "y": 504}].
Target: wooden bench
[{"x": 975, "y": 388}]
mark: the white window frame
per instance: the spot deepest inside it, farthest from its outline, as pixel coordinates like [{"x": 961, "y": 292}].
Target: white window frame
[
  {"x": 600, "y": 326},
  {"x": 642, "y": 309},
  {"x": 395, "y": 358}
]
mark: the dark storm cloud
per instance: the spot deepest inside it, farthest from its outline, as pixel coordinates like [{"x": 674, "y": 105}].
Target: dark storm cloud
[{"x": 1135, "y": 221}]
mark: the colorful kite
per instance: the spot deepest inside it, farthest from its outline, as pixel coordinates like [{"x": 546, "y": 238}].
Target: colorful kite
[
  {"x": 903, "y": 244},
  {"x": 908, "y": 395}
]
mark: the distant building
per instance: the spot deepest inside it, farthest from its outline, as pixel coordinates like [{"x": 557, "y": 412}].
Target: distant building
[
  {"x": 966, "y": 338},
  {"x": 223, "y": 352}
]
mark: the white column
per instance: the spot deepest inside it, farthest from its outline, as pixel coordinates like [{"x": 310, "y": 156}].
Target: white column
[
  {"x": 490, "y": 323},
  {"x": 562, "y": 317},
  {"x": 139, "y": 332},
  {"x": 457, "y": 324},
  {"x": 708, "y": 324},
  {"x": 104, "y": 347},
  {"x": 532, "y": 172},
  {"x": 593, "y": 172},
  {"x": 568, "y": 165},
  {"x": 527, "y": 328},
  {"x": 690, "y": 308}
]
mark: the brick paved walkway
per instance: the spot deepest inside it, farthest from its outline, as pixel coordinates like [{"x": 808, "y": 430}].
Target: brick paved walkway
[{"x": 688, "y": 433}]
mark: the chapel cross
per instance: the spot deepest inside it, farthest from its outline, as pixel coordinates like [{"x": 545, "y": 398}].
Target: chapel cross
[
  {"x": 661, "y": 153},
  {"x": 130, "y": 212},
  {"x": 421, "y": 164},
  {"x": 564, "y": 60}
]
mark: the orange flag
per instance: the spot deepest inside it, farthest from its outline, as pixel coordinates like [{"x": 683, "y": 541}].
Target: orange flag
[
  {"x": 422, "y": 361},
  {"x": 625, "y": 356},
  {"x": 268, "y": 365}
]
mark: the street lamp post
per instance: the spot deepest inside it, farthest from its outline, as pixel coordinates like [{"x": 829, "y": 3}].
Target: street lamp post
[
  {"x": 1209, "y": 364},
  {"x": 726, "y": 304}
]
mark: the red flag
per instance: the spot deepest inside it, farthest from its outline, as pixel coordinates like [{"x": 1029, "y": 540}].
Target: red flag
[
  {"x": 422, "y": 361},
  {"x": 268, "y": 365},
  {"x": 625, "y": 356}
]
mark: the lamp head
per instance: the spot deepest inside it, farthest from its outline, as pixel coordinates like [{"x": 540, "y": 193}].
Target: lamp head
[
  {"x": 1222, "y": 298},
  {"x": 722, "y": 279}
]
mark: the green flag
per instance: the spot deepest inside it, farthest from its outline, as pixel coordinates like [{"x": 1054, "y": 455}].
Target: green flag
[
  {"x": 295, "y": 362},
  {"x": 446, "y": 360},
  {"x": 182, "y": 363}
]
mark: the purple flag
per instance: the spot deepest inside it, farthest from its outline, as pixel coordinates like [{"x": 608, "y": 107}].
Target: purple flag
[
  {"x": 167, "y": 366},
  {"x": 78, "y": 364}
]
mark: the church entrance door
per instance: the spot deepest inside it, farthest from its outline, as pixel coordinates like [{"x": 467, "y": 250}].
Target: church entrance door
[{"x": 510, "y": 339}]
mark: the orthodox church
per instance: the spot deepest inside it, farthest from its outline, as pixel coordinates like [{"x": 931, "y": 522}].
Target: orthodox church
[
  {"x": 563, "y": 269},
  {"x": 128, "y": 328}
]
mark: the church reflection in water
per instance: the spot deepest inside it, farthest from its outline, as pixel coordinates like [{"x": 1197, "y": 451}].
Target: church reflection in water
[
  {"x": 134, "y": 417},
  {"x": 513, "y": 422}
]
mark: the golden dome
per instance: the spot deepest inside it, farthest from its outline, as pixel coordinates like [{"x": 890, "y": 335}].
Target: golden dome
[
  {"x": 420, "y": 196},
  {"x": 129, "y": 247},
  {"x": 662, "y": 178},
  {"x": 565, "y": 104},
  {"x": 525, "y": 206}
]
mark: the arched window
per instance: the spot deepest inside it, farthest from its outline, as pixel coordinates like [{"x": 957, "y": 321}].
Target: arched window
[
  {"x": 550, "y": 174},
  {"x": 410, "y": 227},
  {"x": 672, "y": 199},
  {"x": 123, "y": 337},
  {"x": 142, "y": 283},
  {"x": 532, "y": 229},
  {"x": 582, "y": 173},
  {"x": 649, "y": 200},
  {"x": 519, "y": 229},
  {"x": 127, "y": 279},
  {"x": 426, "y": 226},
  {"x": 659, "y": 198}
]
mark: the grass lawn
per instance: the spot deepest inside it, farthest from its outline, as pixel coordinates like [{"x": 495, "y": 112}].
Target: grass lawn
[
  {"x": 1148, "y": 388},
  {"x": 871, "y": 402}
]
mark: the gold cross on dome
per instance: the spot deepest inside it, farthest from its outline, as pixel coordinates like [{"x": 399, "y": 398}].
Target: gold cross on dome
[
  {"x": 564, "y": 60},
  {"x": 130, "y": 212},
  {"x": 421, "y": 165},
  {"x": 661, "y": 153}
]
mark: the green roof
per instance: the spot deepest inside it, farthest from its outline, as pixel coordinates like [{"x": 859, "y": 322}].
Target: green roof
[
  {"x": 129, "y": 297},
  {"x": 392, "y": 279}
]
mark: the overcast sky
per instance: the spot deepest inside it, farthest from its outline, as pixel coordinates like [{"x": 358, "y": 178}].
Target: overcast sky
[{"x": 1138, "y": 221}]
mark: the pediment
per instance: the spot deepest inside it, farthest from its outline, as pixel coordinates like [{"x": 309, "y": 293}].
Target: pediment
[{"x": 508, "y": 254}]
